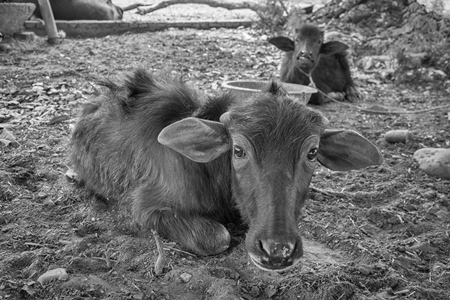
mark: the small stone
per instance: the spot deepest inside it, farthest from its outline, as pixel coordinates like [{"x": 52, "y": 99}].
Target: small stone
[
  {"x": 397, "y": 136},
  {"x": 255, "y": 291},
  {"x": 271, "y": 291},
  {"x": 434, "y": 161},
  {"x": 365, "y": 270},
  {"x": 42, "y": 195},
  {"x": 430, "y": 194},
  {"x": 443, "y": 215},
  {"x": 59, "y": 274},
  {"x": 185, "y": 277}
]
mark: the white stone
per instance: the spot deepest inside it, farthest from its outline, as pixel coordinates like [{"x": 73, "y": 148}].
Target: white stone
[
  {"x": 434, "y": 161},
  {"x": 441, "y": 7},
  {"x": 185, "y": 277},
  {"x": 13, "y": 16}
]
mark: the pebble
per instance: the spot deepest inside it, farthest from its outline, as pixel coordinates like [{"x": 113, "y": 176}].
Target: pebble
[
  {"x": 443, "y": 215},
  {"x": 255, "y": 291},
  {"x": 366, "y": 270},
  {"x": 430, "y": 194},
  {"x": 185, "y": 277},
  {"x": 434, "y": 161}
]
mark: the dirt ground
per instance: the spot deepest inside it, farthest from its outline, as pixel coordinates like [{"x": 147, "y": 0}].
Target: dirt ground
[{"x": 379, "y": 233}]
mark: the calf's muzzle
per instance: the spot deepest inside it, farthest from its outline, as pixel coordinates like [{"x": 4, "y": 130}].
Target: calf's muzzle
[
  {"x": 276, "y": 253},
  {"x": 303, "y": 54}
]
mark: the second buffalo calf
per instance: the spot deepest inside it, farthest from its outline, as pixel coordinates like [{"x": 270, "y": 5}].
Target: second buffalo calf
[{"x": 326, "y": 62}]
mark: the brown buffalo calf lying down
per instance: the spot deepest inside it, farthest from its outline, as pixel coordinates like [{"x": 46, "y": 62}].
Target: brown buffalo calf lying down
[
  {"x": 325, "y": 62},
  {"x": 187, "y": 164},
  {"x": 78, "y": 9}
]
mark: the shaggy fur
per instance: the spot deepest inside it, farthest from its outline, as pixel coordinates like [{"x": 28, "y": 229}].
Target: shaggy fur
[{"x": 116, "y": 153}]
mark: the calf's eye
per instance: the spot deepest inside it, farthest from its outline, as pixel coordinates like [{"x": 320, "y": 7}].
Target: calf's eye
[
  {"x": 239, "y": 152},
  {"x": 312, "y": 154}
]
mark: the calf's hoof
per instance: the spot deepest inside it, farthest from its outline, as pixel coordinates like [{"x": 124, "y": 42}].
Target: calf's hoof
[
  {"x": 352, "y": 94},
  {"x": 335, "y": 96},
  {"x": 210, "y": 239}
]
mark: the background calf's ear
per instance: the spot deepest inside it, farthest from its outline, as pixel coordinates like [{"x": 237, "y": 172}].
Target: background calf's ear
[
  {"x": 199, "y": 140},
  {"x": 282, "y": 43},
  {"x": 332, "y": 47},
  {"x": 343, "y": 150}
]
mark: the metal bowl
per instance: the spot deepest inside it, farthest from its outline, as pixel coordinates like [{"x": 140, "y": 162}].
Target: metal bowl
[{"x": 245, "y": 88}]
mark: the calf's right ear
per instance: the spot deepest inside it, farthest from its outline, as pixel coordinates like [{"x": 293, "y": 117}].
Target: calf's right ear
[
  {"x": 199, "y": 140},
  {"x": 282, "y": 43},
  {"x": 332, "y": 47}
]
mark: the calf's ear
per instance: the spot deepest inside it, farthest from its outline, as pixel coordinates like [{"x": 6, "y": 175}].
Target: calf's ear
[
  {"x": 199, "y": 140},
  {"x": 282, "y": 43},
  {"x": 332, "y": 47},
  {"x": 343, "y": 150}
]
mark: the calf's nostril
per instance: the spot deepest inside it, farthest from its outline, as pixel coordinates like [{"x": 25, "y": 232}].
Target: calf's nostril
[{"x": 280, "y": 250}]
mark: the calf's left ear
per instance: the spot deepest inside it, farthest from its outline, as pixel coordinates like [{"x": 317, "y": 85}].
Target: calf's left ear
[
  {"x": 199, "y": 140},
  {"x": 332, "y": 47},
  {"x": 343, "y": 150}
]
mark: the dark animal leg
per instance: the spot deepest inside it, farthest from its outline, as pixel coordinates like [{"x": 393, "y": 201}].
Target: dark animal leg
[
  {"x": 199, "y": 234},
  {"x": 316, "y": 99},
  {"x": 351, "y": 94}
]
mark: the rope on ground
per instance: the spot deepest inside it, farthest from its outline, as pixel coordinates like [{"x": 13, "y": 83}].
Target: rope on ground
[{"x": 371, "y": 111}]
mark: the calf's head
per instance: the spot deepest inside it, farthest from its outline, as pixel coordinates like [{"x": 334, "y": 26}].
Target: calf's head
[
  {"x": 307, "y": 46},
  {"x": 273, "y": 144}
]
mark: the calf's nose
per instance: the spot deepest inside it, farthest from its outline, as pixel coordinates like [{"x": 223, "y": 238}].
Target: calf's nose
[
  {"x": 279, "y": 253},
  {"x": 304, "y": 54}
]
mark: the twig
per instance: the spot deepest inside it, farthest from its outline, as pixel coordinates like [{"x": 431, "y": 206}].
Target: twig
[
  {"x": 212, "y": 3},
  {"x": 39, "y": 245},
  {"x": 133, "y": 6},
  {"x": 159, "y": 264},
  {"x": 179, "y": 250},
  {"x": 375, "y": 112},
  {"x": 284, "y": 7},
  {"x": 326, "y": 193}
]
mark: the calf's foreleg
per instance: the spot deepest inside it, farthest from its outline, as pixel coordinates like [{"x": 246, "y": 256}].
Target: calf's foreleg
[{"x": 197, "y": 233}]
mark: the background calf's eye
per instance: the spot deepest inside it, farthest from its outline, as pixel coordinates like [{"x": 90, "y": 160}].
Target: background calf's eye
[
  {"x": 312, "y": 154},
  {"x": 239, "y": 152}
]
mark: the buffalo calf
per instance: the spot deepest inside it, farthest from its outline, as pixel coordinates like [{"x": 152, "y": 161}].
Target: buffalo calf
[
  {"x": 186, "y": 164},
  {"x": 78, "y": 9},
  {"x": 326, "y": 63}
]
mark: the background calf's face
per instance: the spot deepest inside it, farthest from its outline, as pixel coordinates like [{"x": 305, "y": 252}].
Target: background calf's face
[
  {"x": 308, "y": 43},
  {"x": 304, "y": 52}
]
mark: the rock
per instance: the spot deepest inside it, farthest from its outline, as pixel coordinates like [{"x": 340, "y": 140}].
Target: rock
[
  {"x": 397, "y": 136},
  {"x": 443, "y": 215},
  {"x": 366, "y": 270},
  {"x": 13, "y": 16},
  {"x": 185, "y": 277},
  {"x": 434, "y": 161},
  {"x": 59, "y": 274},
  {"x": 430, "y": 194},
  {"x": 441, "y": 7}
]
